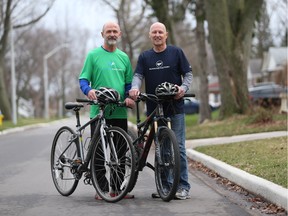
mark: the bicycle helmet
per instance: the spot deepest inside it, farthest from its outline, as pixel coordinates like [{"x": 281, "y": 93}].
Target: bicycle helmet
[
  {"x": 166, "y": 89},
  {"x": 107, "y": 95}
]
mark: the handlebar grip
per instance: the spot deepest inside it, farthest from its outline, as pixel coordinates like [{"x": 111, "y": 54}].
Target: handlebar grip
[
  {"x": 83, "y": 100},
  {"x": 189, "y": 95}
]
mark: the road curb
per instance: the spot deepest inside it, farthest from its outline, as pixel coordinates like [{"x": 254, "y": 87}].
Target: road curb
[
  {"x": 256, "y": 185},
  {"x": 23, "y": 128}
]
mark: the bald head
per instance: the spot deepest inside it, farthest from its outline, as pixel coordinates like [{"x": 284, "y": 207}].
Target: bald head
[
  {"x": 158, "y": 25},
  {"x": 110, "y": 24}
]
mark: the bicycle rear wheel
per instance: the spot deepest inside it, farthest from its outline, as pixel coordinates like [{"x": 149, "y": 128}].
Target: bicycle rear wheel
[
  {"x": 112, "y": 178},
  {"x": 63, "y": 154},
  {"x": 167, "y": 164}
]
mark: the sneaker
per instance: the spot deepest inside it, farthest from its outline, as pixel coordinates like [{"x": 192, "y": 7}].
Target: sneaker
[
  {"x": 156, "y": 195},
  {"x": 97, "y": 197},
  {"x": 127, "y": 196},
  {"x": 182, "y": 194}
]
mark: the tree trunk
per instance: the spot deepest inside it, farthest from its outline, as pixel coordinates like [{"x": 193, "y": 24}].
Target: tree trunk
[
  {"x": 230, "y": 31},
  {"x": 5, "y": 107},
  {"x": 4, "y": 101},
  {"x": 205, "y": 113}
]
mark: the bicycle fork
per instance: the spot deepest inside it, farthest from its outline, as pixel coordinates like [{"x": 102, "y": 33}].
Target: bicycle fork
[{"x": 108, "y": 141}]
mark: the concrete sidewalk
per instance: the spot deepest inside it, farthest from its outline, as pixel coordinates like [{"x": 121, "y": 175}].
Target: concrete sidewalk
[{"x": 259, "y": 186}]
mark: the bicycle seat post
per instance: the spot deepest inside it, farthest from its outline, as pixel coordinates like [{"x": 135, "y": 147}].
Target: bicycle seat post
[{"x": 77, "y": 118}]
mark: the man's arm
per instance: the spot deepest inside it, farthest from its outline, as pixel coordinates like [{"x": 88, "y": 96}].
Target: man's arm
[
  {"x": 84, "y": 86},
  {"x": 136, "y": 85},
  {"x": 187, "y": 80}
]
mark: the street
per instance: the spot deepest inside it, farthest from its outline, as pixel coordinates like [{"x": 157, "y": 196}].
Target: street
[{"x": 26, "y": 187}]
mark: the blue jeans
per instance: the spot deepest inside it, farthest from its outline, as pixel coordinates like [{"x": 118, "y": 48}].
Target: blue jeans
[{"x": 178, "y": 126}]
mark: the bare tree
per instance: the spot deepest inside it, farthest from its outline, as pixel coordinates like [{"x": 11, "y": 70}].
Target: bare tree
[
  {"x": 134, "y": 22},
  {"x": 205, "y": 113},
  {"x": 262, "y": 33},
  {"x": 230, "y": 24},
  {"x": 15, "y": 14}
]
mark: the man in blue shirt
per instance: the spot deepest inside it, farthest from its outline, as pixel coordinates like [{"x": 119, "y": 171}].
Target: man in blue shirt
[{"x": 165, "y": 63}]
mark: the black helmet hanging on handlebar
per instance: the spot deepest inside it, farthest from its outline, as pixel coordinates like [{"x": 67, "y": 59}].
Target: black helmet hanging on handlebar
[
  {"x": 107, "y": 95},
  {"x": 166, "y": 89}
]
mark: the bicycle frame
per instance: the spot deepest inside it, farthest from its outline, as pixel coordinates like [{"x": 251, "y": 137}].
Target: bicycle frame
[
  {"x": 142, "y": 127},
  {"x": 99, "y": 131}
]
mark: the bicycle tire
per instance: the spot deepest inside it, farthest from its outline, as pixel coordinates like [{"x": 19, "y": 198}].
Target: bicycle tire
[
  {"x": 133, "y": 136},
  {"x": 112, "y": 180},
  {"x": 63, "y": 179},
  {"x": 167, "y": 165}
]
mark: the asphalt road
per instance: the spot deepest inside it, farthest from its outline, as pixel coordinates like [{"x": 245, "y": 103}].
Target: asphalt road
[{"x": 26, "y": 187}]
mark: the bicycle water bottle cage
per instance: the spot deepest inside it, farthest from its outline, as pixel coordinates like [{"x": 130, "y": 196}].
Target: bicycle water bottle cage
[{"x": 166, "y": 90}]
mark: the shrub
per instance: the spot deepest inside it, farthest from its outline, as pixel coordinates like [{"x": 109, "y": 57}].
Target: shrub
[{"x": 260, "y": 115}]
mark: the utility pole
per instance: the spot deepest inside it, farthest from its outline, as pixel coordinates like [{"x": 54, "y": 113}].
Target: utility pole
[{"x": 45, "y": 77}]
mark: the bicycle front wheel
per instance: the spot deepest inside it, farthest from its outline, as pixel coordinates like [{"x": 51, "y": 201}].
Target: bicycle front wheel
[
  {"x": 112, "y": 176},
  {"x": 167, "y": 164},
  {"x": 63, "y": 154}
]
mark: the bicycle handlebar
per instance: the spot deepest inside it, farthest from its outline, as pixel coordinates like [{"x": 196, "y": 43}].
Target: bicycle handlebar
[
  {"x": 84, "y": 100},
  {"x": 189, "y": 95},
  {"x": 95, "y": 102},
  {"x": 145, "y": 96}
]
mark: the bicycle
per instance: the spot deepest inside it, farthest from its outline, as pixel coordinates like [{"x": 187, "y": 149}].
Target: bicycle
[
  {"x": 110, "y": 158},
  {"x": 167, "y": 156}
]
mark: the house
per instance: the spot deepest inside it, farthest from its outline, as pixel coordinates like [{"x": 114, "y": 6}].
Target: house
[{"x": 274, "y": 67}]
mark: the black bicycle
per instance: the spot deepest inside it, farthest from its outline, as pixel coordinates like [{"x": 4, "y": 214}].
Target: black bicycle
[
  {"x": 109, "y": 161},
  {"x": 157, "y": 129}
]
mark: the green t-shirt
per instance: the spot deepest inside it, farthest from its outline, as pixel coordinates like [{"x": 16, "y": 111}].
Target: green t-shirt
[{"x": 108, "y": 69}]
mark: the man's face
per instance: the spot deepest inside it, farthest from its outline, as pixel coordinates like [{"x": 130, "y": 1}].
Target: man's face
[
  {"x": 111, "y": 33},
  {"x": 158, "y": 34}
]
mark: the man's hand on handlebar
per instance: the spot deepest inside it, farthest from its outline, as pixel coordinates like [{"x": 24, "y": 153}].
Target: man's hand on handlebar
[
  {"x": 129, "y": 102},
  {"x": 92, "y": 94},
  {"x": 134, "y": 93},
  {"x": 180, "y": 93}
]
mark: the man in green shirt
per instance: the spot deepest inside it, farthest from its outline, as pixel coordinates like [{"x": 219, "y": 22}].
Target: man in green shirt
[{"x": 107, "y": 66}]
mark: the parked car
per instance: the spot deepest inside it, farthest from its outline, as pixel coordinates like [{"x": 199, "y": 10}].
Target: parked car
[
  {"x": 192, "y": 106},
  {"x": 266, "y": 94}
]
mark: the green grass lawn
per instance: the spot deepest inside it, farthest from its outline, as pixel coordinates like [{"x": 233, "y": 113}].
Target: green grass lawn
[
  {"x": 265, "y": 158},
  {"x": 22, "y": 122},
  {"x": 236, "y": 125}
]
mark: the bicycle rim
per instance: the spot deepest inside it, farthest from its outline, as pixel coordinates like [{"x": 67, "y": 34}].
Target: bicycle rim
[
  {"x": 167, "y": 164},
  {"x": 112, "y": 178},
  {"x": 63, "y": 152}
]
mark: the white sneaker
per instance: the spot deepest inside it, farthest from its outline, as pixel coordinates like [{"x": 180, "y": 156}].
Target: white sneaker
[{"x": 182, "y": 194}]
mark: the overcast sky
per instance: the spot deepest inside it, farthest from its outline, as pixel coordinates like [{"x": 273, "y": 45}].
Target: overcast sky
[{"x": 85, "y": 14}]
